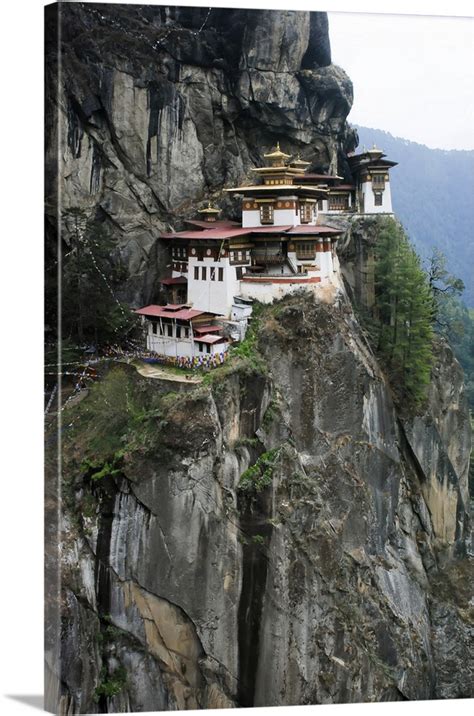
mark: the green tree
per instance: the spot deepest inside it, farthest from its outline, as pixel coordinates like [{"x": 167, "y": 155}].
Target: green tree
[
  {"x": 442, "y": 283},
  {"x": 402, "y": 320}
]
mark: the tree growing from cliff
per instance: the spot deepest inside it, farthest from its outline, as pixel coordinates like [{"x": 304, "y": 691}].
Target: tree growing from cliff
[
  {"x": 402, "y": 324},
  {"x": 442, "y": 283}
]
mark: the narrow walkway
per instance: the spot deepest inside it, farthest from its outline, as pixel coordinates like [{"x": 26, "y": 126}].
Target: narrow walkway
[{"x": 149, "y": 370}]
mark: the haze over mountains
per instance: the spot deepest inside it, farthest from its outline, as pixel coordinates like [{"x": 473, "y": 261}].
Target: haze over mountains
[{"x": 433, "y": 196}]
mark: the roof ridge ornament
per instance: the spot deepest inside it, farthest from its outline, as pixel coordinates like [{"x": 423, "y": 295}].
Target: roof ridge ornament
[
  {"x": 211, "y": 210},
  {"x": 298, "y": 162},
  {"x": 277, "y": 157}
]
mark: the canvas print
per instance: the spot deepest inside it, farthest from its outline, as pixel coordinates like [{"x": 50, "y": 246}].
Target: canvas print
[{"x": 259, "y": 369}]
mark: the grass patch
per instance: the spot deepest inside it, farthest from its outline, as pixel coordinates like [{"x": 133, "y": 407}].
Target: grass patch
[
  {"x": 260, "y": 475},
  {"x": 248, "y": 442},
  {"x": 121, "y": 415}
]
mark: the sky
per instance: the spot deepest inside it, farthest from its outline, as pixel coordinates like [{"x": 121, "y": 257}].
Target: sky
[{"x": 413, "y": 76}]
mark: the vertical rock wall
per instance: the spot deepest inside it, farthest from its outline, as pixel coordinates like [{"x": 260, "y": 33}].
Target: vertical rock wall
[{"x": 280, "y": 545}]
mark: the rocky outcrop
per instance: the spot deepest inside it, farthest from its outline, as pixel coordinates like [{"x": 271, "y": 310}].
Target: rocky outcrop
[
  {"x": 280, "y": 534},
  {"x": 156, "y": 109},
  {"x": 278, "y": 544}
]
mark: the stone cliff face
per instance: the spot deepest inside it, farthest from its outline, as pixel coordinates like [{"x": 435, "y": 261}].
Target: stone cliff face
[
  {"x": 157, "y": 109},
  {"x": 280, "y": 534},
  {"x": 286, "y": 540}
]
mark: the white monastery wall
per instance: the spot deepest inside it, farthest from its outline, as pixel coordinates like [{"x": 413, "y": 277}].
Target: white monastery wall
[
  {"x": 212, "y": 295},
  {"x": 369, "y": 199},
  {"x": 184, "y": 348},
  {"x": 281, "y": 217}
]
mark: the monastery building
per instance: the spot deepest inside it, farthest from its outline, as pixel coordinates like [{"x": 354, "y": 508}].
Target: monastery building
[{"x": 219, "y": 267}]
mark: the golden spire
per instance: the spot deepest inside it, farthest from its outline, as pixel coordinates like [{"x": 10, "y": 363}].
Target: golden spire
[
  {"x": 375, "y": 150},
  {"x": 298, "y": 162},
  {"x": 277, "y": 157},
  {"x": 209, "y": 209},
  {"x": 209, "y": 212}
]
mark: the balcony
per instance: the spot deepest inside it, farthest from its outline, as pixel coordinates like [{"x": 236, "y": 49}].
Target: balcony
[{"x": 305, "y": 255}]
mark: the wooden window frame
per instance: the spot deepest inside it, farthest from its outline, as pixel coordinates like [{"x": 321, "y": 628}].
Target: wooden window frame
[
  {"x": 264, "y": 209},
  {"x": 306, "y": 213},
  {"x": 338, "y": 202}
]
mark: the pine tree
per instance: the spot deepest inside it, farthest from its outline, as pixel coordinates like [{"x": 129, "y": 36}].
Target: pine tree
[{"x": 403, "y": 314}]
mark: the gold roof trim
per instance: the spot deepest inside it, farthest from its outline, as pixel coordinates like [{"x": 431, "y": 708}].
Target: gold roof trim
[
  {"x": 299, "y": 162},
  {"x": 277, "y": 153},
  {"x": 209, "y": 210}
]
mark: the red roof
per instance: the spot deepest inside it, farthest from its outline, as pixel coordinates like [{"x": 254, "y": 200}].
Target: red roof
[
  {"x": 270, "y": 229},
  {"x": 173, "y": 281},
  {"x": 184, "y": 313},
  {"x": 209, "y": 339},
  {"x": 308, "y": 229},
  {"x": 319, "y": 176},
  {"x": 341, "y": 186},
  {"x": 216, "y": 234},
  {"x": 224, "y": 224},
  {"x": 206, "y": 329},
  {"x": 221, "y": 234}
]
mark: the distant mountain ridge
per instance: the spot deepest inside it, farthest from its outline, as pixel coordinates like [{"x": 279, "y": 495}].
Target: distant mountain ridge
[{"x": 433, "y": 196}]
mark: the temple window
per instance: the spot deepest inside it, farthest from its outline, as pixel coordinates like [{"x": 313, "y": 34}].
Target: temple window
[
  {"x": 266, "y": 214},
  {"x": 306, "y": 213},
  {"x": 204, "y": 273},
  {"x": 305, "y": 250},
  {"x": 220, "y": 276},
  {"x": 196, "y": 273},
  {"x": 338, "y": 202},
  {"x": 378, "y": 199},
  {"x": 378, "y": 181}
]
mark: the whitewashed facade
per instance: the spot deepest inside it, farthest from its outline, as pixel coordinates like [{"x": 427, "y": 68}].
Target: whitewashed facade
[
  {"x": 212, "y": 284},
  {"x": 374, "y": 200}
]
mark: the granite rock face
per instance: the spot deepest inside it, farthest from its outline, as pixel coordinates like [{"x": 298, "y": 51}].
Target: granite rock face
[
  {"x": 287, "y": 537},
  {"x": 157, "y": 109},
  {"x": 281, "y": 544}
]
